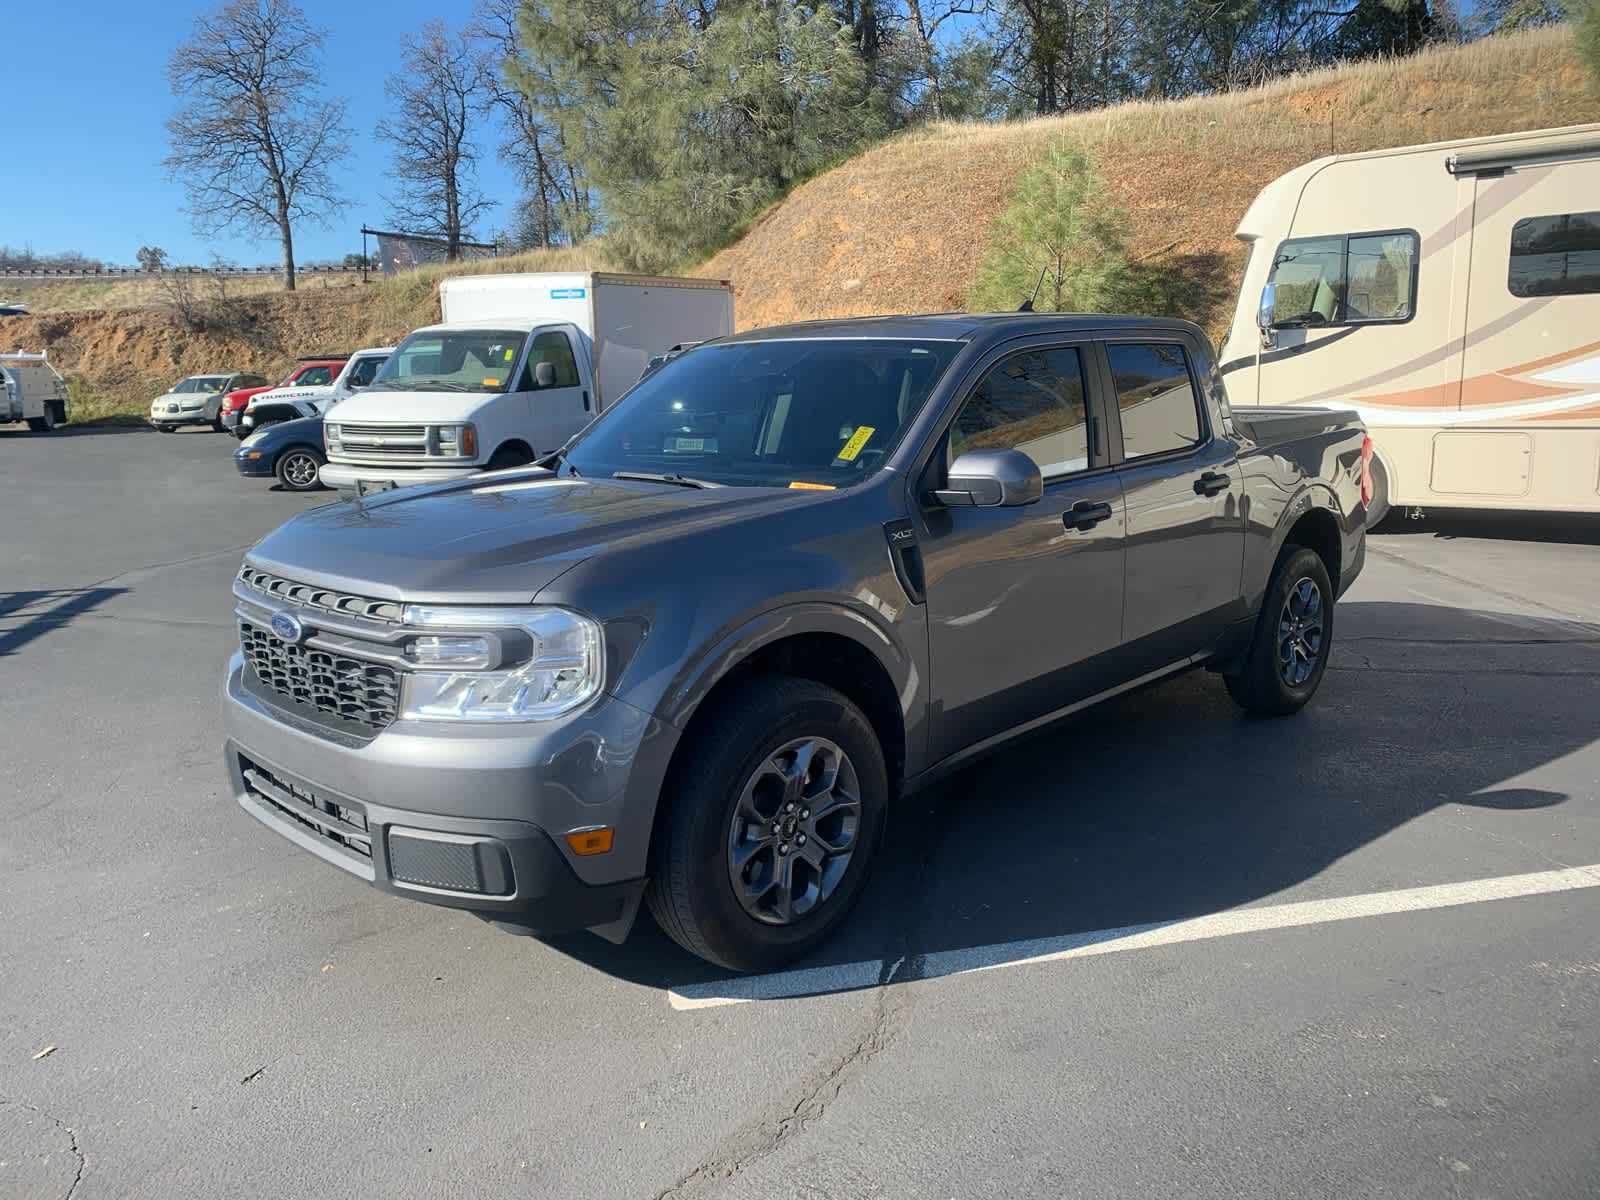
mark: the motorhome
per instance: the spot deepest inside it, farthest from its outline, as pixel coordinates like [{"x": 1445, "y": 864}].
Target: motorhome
[
  {"x": 520, "y": 363},
  {"x": 1451, "y": 294}
]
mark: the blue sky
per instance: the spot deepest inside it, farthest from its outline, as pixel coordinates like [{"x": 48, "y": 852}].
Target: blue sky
[{"x": 88, "y": 82}]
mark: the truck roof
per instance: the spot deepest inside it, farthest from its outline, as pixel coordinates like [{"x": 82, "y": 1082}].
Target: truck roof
[{"x": 959, "y": 326}]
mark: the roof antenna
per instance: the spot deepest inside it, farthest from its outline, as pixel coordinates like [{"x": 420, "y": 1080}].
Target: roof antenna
[{"x": 1027, "y": 305}]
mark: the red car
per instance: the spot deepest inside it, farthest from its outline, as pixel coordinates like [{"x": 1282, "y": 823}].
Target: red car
[{"x": 312, "y": 372}]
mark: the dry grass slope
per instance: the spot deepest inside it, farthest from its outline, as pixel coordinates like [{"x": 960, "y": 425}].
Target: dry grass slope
[{"x": 903, "y": 227}]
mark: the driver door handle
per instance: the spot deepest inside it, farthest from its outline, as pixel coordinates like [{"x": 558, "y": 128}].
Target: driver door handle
[
  {"x": 1086, "y": 514},
  {"x": 1211, "y": 483}
]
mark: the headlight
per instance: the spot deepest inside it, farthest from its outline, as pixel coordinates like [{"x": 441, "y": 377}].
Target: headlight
[
  {"x": 330, "y": 437},
  {"x": 456, "y": 441},
  {"x": 551, "y": 662}
]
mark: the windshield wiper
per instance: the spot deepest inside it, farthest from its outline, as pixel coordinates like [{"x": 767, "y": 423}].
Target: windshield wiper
[{"x": 671, "y": 477}]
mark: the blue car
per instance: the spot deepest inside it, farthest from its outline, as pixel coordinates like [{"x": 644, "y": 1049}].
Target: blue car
[{"x": 291, "y": 450}]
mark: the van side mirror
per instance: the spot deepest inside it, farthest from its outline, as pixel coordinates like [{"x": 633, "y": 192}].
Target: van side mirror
[
  {"x": 991, "y": 479},
  {"x": 1269, "y": 298},
  {"x": 544, "y": 375}
]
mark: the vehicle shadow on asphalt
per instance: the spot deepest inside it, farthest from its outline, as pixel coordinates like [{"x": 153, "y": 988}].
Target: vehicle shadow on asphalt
[
  {"x": 25, "y": 616},
  {"x": 1171, "y": 803},
  {"x": 88, "y": 429}
]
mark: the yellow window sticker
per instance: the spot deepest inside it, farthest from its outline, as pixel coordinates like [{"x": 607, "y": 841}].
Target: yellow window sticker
[
  {"x": 812, "y": 487},
  {"x": 857, "y": 440},
  {"x": 491, "y": 383},
  {"x": 509, "y": 353}
]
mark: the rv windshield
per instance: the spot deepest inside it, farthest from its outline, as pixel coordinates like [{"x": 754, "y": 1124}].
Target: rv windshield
[
  {"x": 456, "y": 360},
  {"x": 803, "y": 412}
]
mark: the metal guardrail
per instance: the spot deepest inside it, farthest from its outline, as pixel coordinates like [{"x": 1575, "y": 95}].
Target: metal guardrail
[{"x": 137, "y": 273}]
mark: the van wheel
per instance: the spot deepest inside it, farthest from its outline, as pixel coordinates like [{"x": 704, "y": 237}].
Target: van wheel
[
  {"x": 1294, "y": 633},
  {"x": 770, "y": 826},
  {"x": 45, "y": 423},
  {"x": 507, "y": 457}
]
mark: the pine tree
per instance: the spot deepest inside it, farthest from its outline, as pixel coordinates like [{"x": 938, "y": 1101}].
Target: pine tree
[{"x": 1059, "y": 233}]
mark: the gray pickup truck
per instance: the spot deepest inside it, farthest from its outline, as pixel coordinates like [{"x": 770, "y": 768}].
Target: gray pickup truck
[{"x": 796, "y": 573}]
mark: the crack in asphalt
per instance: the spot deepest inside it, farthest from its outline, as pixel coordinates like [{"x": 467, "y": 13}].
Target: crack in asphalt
[
  {"x": 72, "y": 1141},
  {"x": 805, "y": 1103}
]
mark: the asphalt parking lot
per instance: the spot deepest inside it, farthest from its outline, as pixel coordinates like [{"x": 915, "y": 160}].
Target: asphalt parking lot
[{"x": 1162, "y": 950}]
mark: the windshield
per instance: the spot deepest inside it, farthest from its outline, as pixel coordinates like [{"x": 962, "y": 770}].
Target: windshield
[
  {"x": 201, "y": 383},
  {"x": 784, "y": 413},
  {"x": 456, "y": 360}
]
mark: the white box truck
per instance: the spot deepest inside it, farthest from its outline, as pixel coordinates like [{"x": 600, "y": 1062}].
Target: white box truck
[
  {"x": 31, "y": 390},
  {"x": 519, "y": 364},
  {"x": 1450, "y": 294}
]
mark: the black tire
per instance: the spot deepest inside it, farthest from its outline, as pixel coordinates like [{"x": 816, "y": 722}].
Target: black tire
[
  {"x": 1378, "y": 507},
  {"x": 267, "y": 424},
  {"x": 162, "y": 428},
  {"x": 701, "y": 828},
  {"x": 45, "y": 423},
  {"x": 217, "y": 426},
  {"x": 507, "y": 457},
  {"x": 297, "y": 468},
  {"x": 1286, "y": 660}
]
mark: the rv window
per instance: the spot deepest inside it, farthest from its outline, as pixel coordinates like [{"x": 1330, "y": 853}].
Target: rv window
[
  {"x": 1555, "y": 256},
  {"x": 1353, "y": 279}
]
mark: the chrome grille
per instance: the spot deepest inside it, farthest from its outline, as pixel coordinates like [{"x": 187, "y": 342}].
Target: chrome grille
[
  {"x": 347, "y": 430},
  {"x": 337, "y": 685},
  {"x": 324, "y": 599}
]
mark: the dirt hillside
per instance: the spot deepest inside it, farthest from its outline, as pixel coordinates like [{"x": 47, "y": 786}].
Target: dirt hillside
[{"x": 902, "y": 227}]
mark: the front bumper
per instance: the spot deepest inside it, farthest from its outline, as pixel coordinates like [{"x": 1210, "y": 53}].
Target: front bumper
[
  {"x": 348, "y": 477},
  {"x": 160, "y": 414},
  {"x": 469, "y": 818},
  {"x": 255, "y": 468}
]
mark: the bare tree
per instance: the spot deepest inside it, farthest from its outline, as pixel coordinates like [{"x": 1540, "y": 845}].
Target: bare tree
[
  {"x": 442, "y": 83},
  {"x": 555, "y": 197},
  {"x": 254, "y": 138}
]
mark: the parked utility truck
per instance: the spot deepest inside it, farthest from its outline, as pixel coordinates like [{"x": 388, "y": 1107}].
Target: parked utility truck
[
  {"x": 32, "y": 390},
  {"x": 519, "y": 364}
]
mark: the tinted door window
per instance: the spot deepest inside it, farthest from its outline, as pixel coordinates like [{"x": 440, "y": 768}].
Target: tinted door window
[
  {"x": 361, "y": 374},
  {"x": 1156, "y": 398},
  {"x": 315, "y": 377},
  {"x": 555, "y": 348},
  {"x": 1556, "y": 256},
  {"x": 1033, "y": 402}
]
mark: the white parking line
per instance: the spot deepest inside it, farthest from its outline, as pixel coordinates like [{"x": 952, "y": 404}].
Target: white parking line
[{"x": 855, "y": 975}]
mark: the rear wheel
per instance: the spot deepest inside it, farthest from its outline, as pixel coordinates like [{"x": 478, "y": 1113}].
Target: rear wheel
[
  {"x": 1294, "y": 633},
  {"x": 768, "y": 829},
  {"x": 45, "y": 423},
  {"x": 1378, "y": 506},
  {"x": 297, "y": 468}
]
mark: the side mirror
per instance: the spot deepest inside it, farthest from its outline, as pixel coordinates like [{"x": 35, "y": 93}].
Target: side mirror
[
  {"x": 992, "y": 479},
  {"x": 1269, "y": 296},
  {"x": 544, "y": 374}
]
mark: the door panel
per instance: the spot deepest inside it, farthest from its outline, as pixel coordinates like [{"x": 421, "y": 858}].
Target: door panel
[{"x": 1021, "y": 600}]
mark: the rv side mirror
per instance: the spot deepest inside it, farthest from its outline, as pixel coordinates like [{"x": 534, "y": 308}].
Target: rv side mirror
[
  {"x": 544, "y": 375},
  {"x": 1268, "y": 304},
  {"x": 992, "y": 479}
]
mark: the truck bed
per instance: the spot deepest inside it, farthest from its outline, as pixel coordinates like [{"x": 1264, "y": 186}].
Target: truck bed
[{"x": 1270, "y": 425}]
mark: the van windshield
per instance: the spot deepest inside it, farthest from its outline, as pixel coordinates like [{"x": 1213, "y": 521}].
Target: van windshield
[
  {"x": 801, "y": 412},
  {"x": 456, "y": 360}
]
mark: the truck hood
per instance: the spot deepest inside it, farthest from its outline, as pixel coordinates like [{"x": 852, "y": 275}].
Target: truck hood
[
  {"x": 493, "y": 539},
  {"x": 413, "y": 408}
]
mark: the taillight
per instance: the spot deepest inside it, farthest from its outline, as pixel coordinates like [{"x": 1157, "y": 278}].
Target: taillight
[{"x": 1366, "y": 470}]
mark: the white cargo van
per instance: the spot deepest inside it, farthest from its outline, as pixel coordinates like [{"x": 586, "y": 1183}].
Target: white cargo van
[
  {"x": 1450, "y": 293},
  {"x": 31, "y": 390},
  {"x": 519, "y": 364}
]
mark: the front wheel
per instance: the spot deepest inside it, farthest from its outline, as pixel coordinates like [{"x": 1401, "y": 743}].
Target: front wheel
[
  {"x": 769, "y": 825},
  {"x": 161, "y": 428},
  {"x": 1294, "y": 633},
  {"x": 297, "y": 469}
]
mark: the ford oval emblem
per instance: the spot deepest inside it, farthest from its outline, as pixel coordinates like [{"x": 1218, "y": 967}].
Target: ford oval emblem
[{"x": 287, "y": 626}]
